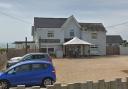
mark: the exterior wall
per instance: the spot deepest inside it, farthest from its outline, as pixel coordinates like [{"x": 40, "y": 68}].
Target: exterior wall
[
  {"x": 42, "y": 32},
  {"x": 123, "y": 50},
  {"x": 100, "y": 41},
  {"x": 22, "y": 45},
  {"x": 71, "y": 25},
  {"x": 58, "y": 50}
]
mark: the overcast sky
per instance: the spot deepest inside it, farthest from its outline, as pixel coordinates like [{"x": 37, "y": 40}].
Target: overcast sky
[{"x": 16, "y": 16}]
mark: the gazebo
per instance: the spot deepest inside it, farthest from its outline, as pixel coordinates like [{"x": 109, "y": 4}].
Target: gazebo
[{"x": 76, "y": 48}]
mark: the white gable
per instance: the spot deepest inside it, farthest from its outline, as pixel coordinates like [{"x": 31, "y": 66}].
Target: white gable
[
  {"x": 71, "y": 19},
  {"x": 71, "y": 24}
]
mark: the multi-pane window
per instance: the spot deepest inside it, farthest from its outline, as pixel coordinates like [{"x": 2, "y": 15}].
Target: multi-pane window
[
  {"x": 94, "y": 35},
  {"x": 50, "y": 34},
  {"x": 72, "y": 33},
  {"x": 94, "y": 48}
]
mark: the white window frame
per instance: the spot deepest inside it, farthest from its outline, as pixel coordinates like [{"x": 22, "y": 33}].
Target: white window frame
[
  {"x": 50, "y": 34},
  {"x": 94, "y": 35},
  {"x": 72, "y": 32}
]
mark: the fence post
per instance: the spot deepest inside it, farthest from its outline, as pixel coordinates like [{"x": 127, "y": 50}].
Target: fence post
[
  {"x": 20, "y": 86},
  {"x": 50, "y": 87},
  {"x": 118, "y": 83},
  {"x": 7, "y": 51},
  {"x": 57, "y": 86},
  {"x": 77, "y": 85},
  {"x": 89, "y": 84},
  {"x": 39, "y": 43},
  {"x": 70, "y": 86},
  {"x": 35, "y": 87},
  {"x": 107, "y": 85},
  {"x": 101, "y": 84},
  {"x": 126, "y": 82},
  {"x": 83, "y": 86},
  {"x": 112, "y": 85},
  {"x": 26, "y": 46},
  {"x": 64, "y": 87}
]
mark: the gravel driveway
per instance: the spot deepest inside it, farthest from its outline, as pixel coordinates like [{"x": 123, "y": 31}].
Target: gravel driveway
[{"x": 95, "y": 68}]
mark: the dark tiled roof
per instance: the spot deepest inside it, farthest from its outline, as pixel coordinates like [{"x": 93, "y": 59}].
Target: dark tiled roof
[
  {"x": 114, "y": 39},
  {"x": 20, "y": 42},
  {"x": 48, "y": 22},
  {"x": 93, "y": 26}
]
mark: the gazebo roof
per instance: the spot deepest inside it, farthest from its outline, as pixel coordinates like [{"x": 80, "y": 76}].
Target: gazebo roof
[{"x": 77, "y": 41}]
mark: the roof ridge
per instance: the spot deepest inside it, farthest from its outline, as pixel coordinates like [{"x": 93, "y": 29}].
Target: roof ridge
[{"x": 49, "y": 18}]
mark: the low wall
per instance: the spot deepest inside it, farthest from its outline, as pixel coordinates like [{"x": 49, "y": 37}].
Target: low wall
[
  {"x": 101, "y": 84},
  {"x": 123, "y": 50}
]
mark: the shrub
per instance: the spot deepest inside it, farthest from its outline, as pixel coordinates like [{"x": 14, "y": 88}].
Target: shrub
[{"x": 53, "y": 54}]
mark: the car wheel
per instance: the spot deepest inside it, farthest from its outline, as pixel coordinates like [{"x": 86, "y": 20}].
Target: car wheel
[
  {"x": 47, "y": 81},
  {"x": 4, "y": 84}
]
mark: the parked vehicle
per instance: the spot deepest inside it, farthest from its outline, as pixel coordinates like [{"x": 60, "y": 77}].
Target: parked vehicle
[
  {"x": 30, "y": 56},
  {"x": 28, "y": 73},
  {"x": 14, "y": 59}
]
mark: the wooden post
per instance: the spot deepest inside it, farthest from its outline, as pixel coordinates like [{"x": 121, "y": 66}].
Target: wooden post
[
  {"x": 39, "y": 44},
  {"x": 7, "y": 51},
  {"x": 26, "y": 45},
  {"x": 118, "y": 83},
  {"x": 101, "y": 84},
  {"x": 57, "y": 86},
  {"x": 107, "y": 85},
  {"x": 50, "y": 87},
  {"x": 83, "y": 85},
  {"x": 64, "y": 87},
  {"x": 112, "y": 85},
  {"x": 96, "y": 85},
  {"x": 126, "y": 82},
  {"x": 89, "y": 84},
  {"x": 77, "y": 85},
  {"x": 70, "y": 86}
]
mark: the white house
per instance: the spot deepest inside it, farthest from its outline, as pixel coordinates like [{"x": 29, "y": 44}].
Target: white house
[{"x": 49, "y": 34}]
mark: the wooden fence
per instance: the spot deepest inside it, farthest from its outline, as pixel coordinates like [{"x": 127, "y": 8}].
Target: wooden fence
[{"x": 101, "y": 84}]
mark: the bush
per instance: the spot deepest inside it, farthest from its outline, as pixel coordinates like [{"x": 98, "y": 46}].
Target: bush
[
  {"x": 2, "y": 50},
  {"x": 52, "y": 54}
]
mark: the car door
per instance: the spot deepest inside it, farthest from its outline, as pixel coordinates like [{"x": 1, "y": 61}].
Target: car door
[
  {"x": 20, "y": 75},
  {"x": 39, "y": 72}
]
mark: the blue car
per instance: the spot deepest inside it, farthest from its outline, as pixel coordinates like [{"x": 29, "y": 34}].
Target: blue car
[{"x": 28, "y": 73}]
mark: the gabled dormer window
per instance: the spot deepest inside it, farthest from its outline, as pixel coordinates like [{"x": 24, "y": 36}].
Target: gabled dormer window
[{"x": 72, "y": 33}]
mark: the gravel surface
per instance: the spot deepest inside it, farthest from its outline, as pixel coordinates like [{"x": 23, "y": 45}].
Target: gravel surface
[{"x": 71, "y": 70}]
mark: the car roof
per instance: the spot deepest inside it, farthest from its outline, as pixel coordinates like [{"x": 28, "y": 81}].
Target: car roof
[
  {"x": 29, "y": 62},
  {"x": 37, "y": 53}
]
